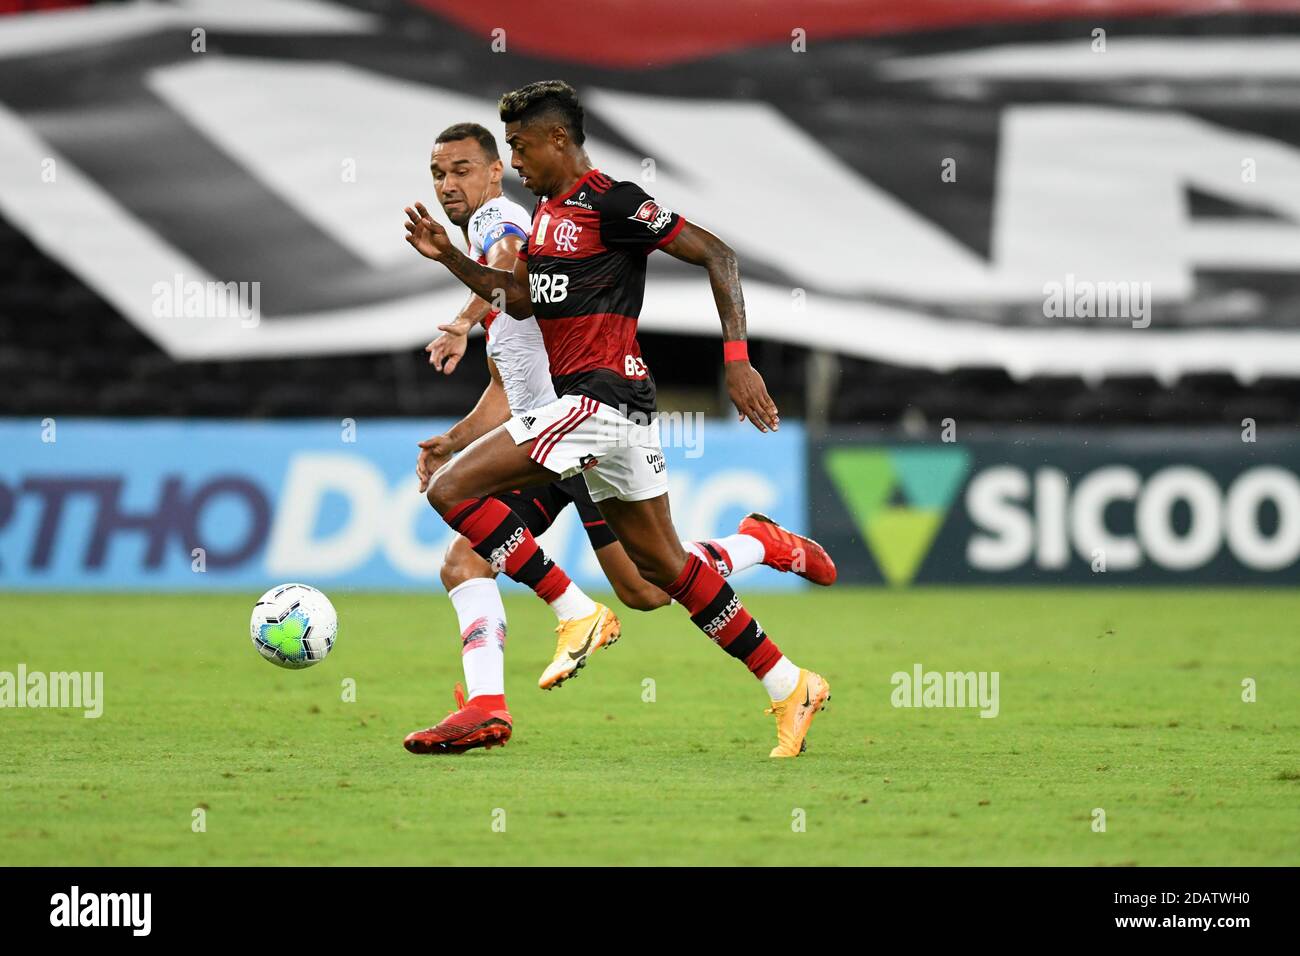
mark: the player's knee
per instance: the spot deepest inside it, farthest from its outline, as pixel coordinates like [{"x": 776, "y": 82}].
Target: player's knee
[
  {"x": 642, "y": 597},
  {"x": 660, "y": 570},
  {"x": 443, "y": 493},
  {"x": 438, "y": 495},
  {"x": 453, "y": 575},
  {"x": 461, "y": 564}
]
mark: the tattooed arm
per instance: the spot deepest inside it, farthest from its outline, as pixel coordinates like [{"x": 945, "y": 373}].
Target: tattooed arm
[
  {"x": 702, "y": 248},
  {"x": 431, "y": 241}
]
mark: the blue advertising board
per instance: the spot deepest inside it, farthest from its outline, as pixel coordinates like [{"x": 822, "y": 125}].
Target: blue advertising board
[{"x": 104, "y": 504}]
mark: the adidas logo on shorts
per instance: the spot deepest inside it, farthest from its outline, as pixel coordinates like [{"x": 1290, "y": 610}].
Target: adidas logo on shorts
[{"x": 528, "y": 421}]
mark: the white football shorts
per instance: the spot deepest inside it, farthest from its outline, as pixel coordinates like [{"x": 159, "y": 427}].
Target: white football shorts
[{"x": 619, "y": 457}]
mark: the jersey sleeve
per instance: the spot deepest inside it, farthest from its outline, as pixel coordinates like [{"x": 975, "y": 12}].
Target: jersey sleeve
[
  {"x": 629, "y": 218},
  {"x": 528, "y": 237},
  {"x": 489, "y": 226},
  {"x": 498, "y": 232},
  {"x": 474, "y": 233}
]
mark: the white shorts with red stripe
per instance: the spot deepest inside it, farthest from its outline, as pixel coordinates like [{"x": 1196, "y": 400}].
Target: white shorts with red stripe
[{"x": 618, "y": 457}]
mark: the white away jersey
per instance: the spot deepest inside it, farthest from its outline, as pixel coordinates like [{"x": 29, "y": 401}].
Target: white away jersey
[
  {"x": 515, "y": 345},
  {"x": 494, "y": 220}
]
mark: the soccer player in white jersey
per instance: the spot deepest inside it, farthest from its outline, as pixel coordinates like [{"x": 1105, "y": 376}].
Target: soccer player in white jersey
[{"x": 467, "y": 179}]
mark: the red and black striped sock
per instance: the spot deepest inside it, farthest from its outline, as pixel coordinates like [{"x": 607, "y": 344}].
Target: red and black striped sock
[
  {"x": 501, "y": 538},
  {"x": 716, "y": 610}
]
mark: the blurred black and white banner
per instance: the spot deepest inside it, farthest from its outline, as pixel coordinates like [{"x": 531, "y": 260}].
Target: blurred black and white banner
[{"x": 1091, "y": 188}]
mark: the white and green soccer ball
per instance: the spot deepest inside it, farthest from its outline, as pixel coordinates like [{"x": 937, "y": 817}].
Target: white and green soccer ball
[{"x": 294, "y": 625}]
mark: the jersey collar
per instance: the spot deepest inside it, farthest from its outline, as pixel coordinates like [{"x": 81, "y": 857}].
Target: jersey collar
[{"x": 589, "y": 173}]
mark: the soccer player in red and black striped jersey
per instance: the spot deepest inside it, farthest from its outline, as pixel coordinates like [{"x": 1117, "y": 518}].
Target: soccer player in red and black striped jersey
[{"x": 582, "y": 275}]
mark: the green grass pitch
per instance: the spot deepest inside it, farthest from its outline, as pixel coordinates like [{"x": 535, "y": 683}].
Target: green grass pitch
[{"x": 1125, "y": 700}]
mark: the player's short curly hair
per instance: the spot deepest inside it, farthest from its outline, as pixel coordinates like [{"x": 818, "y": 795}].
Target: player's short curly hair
[
  {"x": 550, "y": 98},
  {"x": 454, "y": 134}
]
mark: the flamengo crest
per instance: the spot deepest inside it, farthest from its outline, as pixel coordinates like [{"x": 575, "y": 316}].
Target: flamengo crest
[{"x": 566, "y": 235}]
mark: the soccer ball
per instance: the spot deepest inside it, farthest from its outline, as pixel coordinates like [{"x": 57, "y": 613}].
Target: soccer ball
[{"x": 293, "y": 625}]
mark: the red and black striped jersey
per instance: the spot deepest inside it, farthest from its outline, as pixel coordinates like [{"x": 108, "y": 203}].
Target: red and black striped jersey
[{"x": 586, "y": 278}]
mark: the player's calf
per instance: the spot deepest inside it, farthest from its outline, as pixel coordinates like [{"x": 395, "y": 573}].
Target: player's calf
[
  {"x": 501, "y": 538},
  {"x": 460, "y": 493},
  {"x": 717, "y": 610}
]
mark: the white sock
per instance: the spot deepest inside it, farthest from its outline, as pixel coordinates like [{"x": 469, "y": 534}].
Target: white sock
[
  {"x": 573, "y": 604},
  {"x": 781, "y": 680},
  {"x": 482, "y": 619},
  {"x": 743, "y": 550}
]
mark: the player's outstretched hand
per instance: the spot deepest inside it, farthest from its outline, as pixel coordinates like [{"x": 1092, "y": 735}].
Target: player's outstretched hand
[
  {"x": 747, "y": 391},
  {"x": 446, "y": 351},
  {"x": 434, "y": 453},
  {"x": 427, "y": 237}
]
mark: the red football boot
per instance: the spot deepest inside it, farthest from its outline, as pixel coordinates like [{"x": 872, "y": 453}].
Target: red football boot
[
  {"x": 787, "y": 551},
  {"x": 465, "y": 728}
]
